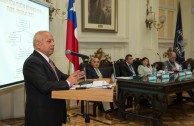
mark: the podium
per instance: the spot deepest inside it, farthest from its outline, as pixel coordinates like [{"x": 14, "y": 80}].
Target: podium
[{"x": 91, "y": 94}]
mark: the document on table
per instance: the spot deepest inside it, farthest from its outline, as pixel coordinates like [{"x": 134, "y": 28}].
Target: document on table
[
  {"x": 126, "y": 78},
  {"x": 95, "y": 84}
]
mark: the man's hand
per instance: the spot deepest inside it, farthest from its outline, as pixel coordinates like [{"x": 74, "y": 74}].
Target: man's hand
[
  {"x": 174, "y": 69},
  {"x": 74, "y": 77}
]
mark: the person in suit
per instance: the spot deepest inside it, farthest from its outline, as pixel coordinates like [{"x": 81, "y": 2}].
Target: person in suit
[
  {"x": 94, "y": 72},
  {"x": 144, "y": 69},
  {"x": 128, "y": 68},
  {"x": 41, "y": 76},
  {"x": 172, "y": 65}
]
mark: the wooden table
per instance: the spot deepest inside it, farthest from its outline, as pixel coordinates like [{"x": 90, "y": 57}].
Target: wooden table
[
  {"x": 91, "y": 94},
  {"x": 157, "y": 92}
]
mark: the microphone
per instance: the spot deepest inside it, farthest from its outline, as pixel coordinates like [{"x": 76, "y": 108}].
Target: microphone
[
  {"x": 76, "y": 54},
  {"x": 159, "y": 56}
]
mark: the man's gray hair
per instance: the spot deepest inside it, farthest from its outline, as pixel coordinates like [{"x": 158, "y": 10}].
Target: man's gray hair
[{"x": 38, "y": 37}]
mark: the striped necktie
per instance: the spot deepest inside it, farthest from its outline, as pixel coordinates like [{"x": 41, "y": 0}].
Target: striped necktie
[
  {"x": 53, "y": 67},
  {"x": 132, "y": 70},
  {"x": 98, "y": 72}
]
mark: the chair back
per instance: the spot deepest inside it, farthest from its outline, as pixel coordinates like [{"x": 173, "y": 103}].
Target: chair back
[
  {"x": 158, "y": 65},
  {"x": 107, "y": 67},
  {"x": 189, "y": 61},
  {"x": 136, "y": 63},
  {"x": 117, "y": 65}
]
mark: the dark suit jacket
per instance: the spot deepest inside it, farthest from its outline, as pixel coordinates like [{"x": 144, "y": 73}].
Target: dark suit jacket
[
  {"x": 40, "y": 80},
  {"x": 125, "y": 71},
  {"x": 91, "y": 73}
]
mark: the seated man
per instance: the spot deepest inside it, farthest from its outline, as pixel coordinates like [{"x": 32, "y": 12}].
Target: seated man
[
  {"x": 172, "y": 65},
  {"x": 94, "y": 72},
  {"x": 128, "y": 69}
]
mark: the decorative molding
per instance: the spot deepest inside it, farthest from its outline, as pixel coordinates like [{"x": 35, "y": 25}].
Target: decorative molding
[
  {"x": 101, "y": 55},
  {"x": 102, "y": 39},
  {"x": 115, "y": 50}
]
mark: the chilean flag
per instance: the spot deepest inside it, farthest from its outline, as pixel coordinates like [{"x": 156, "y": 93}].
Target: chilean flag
[{"x": 71, "y": 38}]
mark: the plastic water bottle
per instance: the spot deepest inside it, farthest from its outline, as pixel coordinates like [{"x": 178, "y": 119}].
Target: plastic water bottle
[
  {"x": 180, "y": 68},
  {"x": 166, "y": 70},
  {"x": 154, "y": 71},
  {"x": 188, "y": 67}
]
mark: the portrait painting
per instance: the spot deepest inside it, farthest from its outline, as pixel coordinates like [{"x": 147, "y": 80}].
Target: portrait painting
[{"x": 99, "y": 15}]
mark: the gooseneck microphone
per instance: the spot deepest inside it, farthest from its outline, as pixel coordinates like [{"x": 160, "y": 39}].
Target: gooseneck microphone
[
  {"x": 159, "y": 56},
  {"x": 76, "y": 54}
]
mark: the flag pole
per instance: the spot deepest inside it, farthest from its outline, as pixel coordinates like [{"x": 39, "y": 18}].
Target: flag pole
[
  {"x": 68, "y": 101},
  {"x": 69, "y": 114},
  {"x": 71, "y": 43}
]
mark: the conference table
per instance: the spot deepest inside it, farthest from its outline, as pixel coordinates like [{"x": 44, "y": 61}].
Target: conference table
[{"x": 157, "y": 92}]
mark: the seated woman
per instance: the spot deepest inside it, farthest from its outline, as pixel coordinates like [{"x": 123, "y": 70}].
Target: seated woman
[{"x": 144, "y": 69}]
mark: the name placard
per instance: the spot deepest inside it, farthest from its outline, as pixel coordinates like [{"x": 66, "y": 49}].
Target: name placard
[
  {"x": 152, "y": 79},
  {"x": 165, "y": 77},
  {"x": 181, "y": 76},
  {"x": 188, "y": 74}
]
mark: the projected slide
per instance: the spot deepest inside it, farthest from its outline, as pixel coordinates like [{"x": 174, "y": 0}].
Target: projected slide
[{"x": 20, "y": 19}]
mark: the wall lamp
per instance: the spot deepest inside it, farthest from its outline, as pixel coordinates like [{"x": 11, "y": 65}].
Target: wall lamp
[
  {"x": 150, "y": 18},
  {"x": 56, "y": 11}
]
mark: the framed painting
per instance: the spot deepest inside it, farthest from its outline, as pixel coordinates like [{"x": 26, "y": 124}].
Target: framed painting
[{"x": 100, "y": 15}]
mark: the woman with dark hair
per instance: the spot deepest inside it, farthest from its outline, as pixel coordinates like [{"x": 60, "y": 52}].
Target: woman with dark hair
[{"x": 144, "y": 69}]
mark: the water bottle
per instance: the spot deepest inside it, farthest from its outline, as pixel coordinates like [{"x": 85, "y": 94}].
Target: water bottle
[
  {"x": 154, "y": 71},
  {"x": 188, "y": 67},
  {"x": 166, "y": 70},
  {"x": 180, "y": 68},
  {"x": 113, "y": 78}
]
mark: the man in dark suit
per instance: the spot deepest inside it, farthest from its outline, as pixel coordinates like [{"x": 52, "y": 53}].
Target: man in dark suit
[
  {"x": 172, "y": 65},
  {"x": 93, "y": 71},
  {"x": 41, "y": 77},
  {"x": 127, "y": 68}
]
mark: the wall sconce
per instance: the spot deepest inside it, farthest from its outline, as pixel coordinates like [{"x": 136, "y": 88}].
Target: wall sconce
[
  {"x": 150, "y": 18},
  {"x": 55, "y": 10}
]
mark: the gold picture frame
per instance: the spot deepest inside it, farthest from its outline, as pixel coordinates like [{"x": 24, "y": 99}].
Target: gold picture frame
[{"x": 100, "y": 16}]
